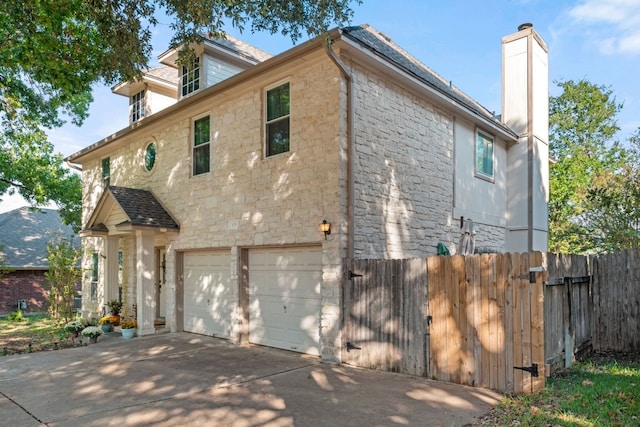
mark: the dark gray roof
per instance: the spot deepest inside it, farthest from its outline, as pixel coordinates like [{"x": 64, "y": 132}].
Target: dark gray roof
[
  {"x": 24, "y": 234},
  {"x": 142, "y": 208},
  {"x": 381, "y": 45},
  {"x": 241, "y": 48}
]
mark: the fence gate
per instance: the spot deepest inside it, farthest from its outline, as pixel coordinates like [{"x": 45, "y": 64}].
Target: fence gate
[
  {"x": 385, "y": 309},
  {"x": 487, "y": 323}
]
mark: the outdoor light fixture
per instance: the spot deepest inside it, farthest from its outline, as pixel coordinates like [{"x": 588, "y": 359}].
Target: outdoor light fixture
[{"x": 325, "y": 227}]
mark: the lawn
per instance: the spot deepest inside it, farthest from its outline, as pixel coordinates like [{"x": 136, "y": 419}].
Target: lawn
[
  {"x": 33, "y": 333},
  {"x": 603, "y": 390}
]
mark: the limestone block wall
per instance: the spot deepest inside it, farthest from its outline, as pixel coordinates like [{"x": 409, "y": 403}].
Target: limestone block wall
[{"x": 403, "y": 171}]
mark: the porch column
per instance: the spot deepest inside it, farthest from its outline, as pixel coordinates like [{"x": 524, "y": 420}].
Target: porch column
[
  {"x": 111, "y": 270},
  {"x": 145, "y": 287}
]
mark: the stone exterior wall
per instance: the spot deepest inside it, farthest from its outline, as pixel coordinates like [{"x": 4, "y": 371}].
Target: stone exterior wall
[
  {"x": 277, "y": 200},
  {"x": 403, "y": 171}
]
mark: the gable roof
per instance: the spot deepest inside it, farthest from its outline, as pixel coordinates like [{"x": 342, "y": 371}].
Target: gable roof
[
  {"x": 382, "y": 46},
  {"x": 140, "y": 208},
  {"x": 24, "y": 234}
]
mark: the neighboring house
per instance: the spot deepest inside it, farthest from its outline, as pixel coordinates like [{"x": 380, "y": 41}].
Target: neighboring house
[
  {"x": 209, "y": 212},
  {"x": 24, "y": 235}
]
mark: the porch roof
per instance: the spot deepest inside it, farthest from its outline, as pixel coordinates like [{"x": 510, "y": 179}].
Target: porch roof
[{"x": 140, "y": 209}]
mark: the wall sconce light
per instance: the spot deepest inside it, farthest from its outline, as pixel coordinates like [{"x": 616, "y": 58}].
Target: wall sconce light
[{"x": 325, "y": 227}]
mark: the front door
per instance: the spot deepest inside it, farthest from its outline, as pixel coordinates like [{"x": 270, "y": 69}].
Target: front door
[{"x": 161, "y": 302}]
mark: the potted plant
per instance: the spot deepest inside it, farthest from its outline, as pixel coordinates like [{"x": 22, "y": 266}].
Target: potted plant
[
  {"x": 107, "y": 322},
  {"x": 115, "y": 307},
  {"x": 92, "y": 332},
  {"x": 128, "y": 328},
  {"x": 75, "y": 327}
]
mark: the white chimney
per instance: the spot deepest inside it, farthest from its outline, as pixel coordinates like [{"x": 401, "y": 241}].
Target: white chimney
[{"x": 525, "y": 109}]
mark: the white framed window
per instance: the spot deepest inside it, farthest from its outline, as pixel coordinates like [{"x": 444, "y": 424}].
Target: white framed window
[
  {"x": 484, "y": 156},
  {"x": 201, "y": 145},
  {"x": 137, "y": 106},
  {"x": 277, "y": 121},
  {"x": 190, "y": 81}
]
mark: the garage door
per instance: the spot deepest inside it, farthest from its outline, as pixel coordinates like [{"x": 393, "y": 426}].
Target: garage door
[
  {"x": 208, "y": 298},
  {"x": 285, "y": 298}
]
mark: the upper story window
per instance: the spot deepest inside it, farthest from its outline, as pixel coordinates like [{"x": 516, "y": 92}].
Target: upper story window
[
  {"x": 106, "y": 170},
  {"x": 484, "y": 156},
  {"x": 277, "y": 120},
  {"x": 190, "y": 77},
  {"x": 201, "y": 145},
  {"x": 137, "y": 106},
  {"x": 150, "y": 156}
]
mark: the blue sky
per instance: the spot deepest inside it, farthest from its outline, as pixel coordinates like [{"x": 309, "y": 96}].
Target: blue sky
[{"x": 598, "y": 40}]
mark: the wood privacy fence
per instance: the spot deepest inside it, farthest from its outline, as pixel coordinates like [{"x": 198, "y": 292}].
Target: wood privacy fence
[
  {"x": 475, "y": 320},
  {"x": 616, "y": 302},
  {"x": 567, "y": 309}
]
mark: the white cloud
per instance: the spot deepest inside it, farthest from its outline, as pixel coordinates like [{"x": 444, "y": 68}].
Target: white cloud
[{"x": 613, "y": 25}]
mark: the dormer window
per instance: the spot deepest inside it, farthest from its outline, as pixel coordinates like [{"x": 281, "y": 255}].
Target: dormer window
[
  {"x": 190, "y": 81},
  {"x": 137, "y": 106}
]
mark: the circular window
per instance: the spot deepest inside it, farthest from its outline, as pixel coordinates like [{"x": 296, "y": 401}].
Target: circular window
[{"x": 150, "y": 156}]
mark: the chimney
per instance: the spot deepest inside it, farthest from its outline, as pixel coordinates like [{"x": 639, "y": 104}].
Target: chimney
[{"x": 525, "y": 109}]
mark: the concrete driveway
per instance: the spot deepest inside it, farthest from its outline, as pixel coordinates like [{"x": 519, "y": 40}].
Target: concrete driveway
[{"x": 182, "y": 379}]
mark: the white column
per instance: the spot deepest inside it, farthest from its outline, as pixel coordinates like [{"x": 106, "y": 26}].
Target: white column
[
  {"x": 146, "y": 283},
  {"x": 111, "y": 270}
]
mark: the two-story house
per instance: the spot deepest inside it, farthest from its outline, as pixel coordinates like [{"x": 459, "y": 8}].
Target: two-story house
[{"x": 244, "y": 181}]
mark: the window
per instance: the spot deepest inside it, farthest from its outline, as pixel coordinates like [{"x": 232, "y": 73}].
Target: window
[
  {"x": 150, "y": 156},
  {"x": 137, "y": 106},
  {"x": 191, "y": 77},
  {"x": 106, "y": 170},
  {"x": 277, "y": 123},
  {"x": 201, "y": 145},
  {"x": 484, "y": 155},
  {"x": 94, "y": 276}
]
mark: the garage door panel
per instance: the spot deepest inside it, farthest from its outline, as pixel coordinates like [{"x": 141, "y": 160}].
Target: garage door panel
[
  {"x": 285, "y": 298},
  {"x": 208, "y": 298}
]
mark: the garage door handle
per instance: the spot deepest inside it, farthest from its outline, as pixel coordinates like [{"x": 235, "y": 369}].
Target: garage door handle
[{"x": 352, "y": 347}]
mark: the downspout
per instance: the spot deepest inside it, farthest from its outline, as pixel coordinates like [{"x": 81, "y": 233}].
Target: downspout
[{"x": 350, "y": 144}]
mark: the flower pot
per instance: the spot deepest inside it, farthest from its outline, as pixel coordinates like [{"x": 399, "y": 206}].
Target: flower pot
[
  {"x": 107, "y": 327},
  {"x": 93, "y": 340},
  {"x": 127, "y": 334}
]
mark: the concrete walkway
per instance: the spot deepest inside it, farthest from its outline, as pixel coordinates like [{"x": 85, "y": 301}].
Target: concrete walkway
[{"x": 182, "y": 379}]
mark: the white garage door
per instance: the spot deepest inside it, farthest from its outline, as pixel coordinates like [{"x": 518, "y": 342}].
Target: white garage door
[
  {"x": 285, "y": 298},
  {"x": 208, "y": 298}
]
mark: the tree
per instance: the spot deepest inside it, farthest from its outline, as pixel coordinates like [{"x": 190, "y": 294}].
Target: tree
[
  {"x": 593, "y": 174},
  {"x": 53, "y": 52},
  {"x": 63, "y": 274}
]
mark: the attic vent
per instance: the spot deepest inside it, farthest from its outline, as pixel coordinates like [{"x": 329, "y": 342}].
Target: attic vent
[{"x": 525, "y": 26}]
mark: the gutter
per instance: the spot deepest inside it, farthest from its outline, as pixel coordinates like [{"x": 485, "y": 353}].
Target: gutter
[{"x": 350, "y": 141}]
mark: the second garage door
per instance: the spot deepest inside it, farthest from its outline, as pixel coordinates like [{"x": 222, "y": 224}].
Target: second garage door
[
  {"x": 285, "y": 298},
  {"x": 208, "y": 298}
]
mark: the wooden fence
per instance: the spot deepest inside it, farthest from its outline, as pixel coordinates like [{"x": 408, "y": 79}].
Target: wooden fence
[
  {"x": 567, "y": 309},
  {"x": 489, "y": 320},
  {"x": 616, "y": 302},
  {"x": 475, "y": 320}
]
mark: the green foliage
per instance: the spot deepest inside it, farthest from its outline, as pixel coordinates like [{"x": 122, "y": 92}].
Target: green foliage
[
  {"x": 591, "y": 182},
  {"x": 62, "y": 276},
  {"x": 593, "y": 393},
  {"x": 54, "y": 51},
  {"x": 16, "y": 316}
]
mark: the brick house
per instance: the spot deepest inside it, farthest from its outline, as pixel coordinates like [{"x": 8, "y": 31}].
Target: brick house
[
  {"x": 228, "y": 211},
  {"x": 24, "y": 234}
]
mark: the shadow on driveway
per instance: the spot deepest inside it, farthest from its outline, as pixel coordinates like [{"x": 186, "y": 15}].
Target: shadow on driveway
[{"x": 182, "y": 379}]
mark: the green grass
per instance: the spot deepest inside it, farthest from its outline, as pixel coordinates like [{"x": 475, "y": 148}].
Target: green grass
[
  {"x": 602, "y": 391},
  {"x": 31, "y": 333}
]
